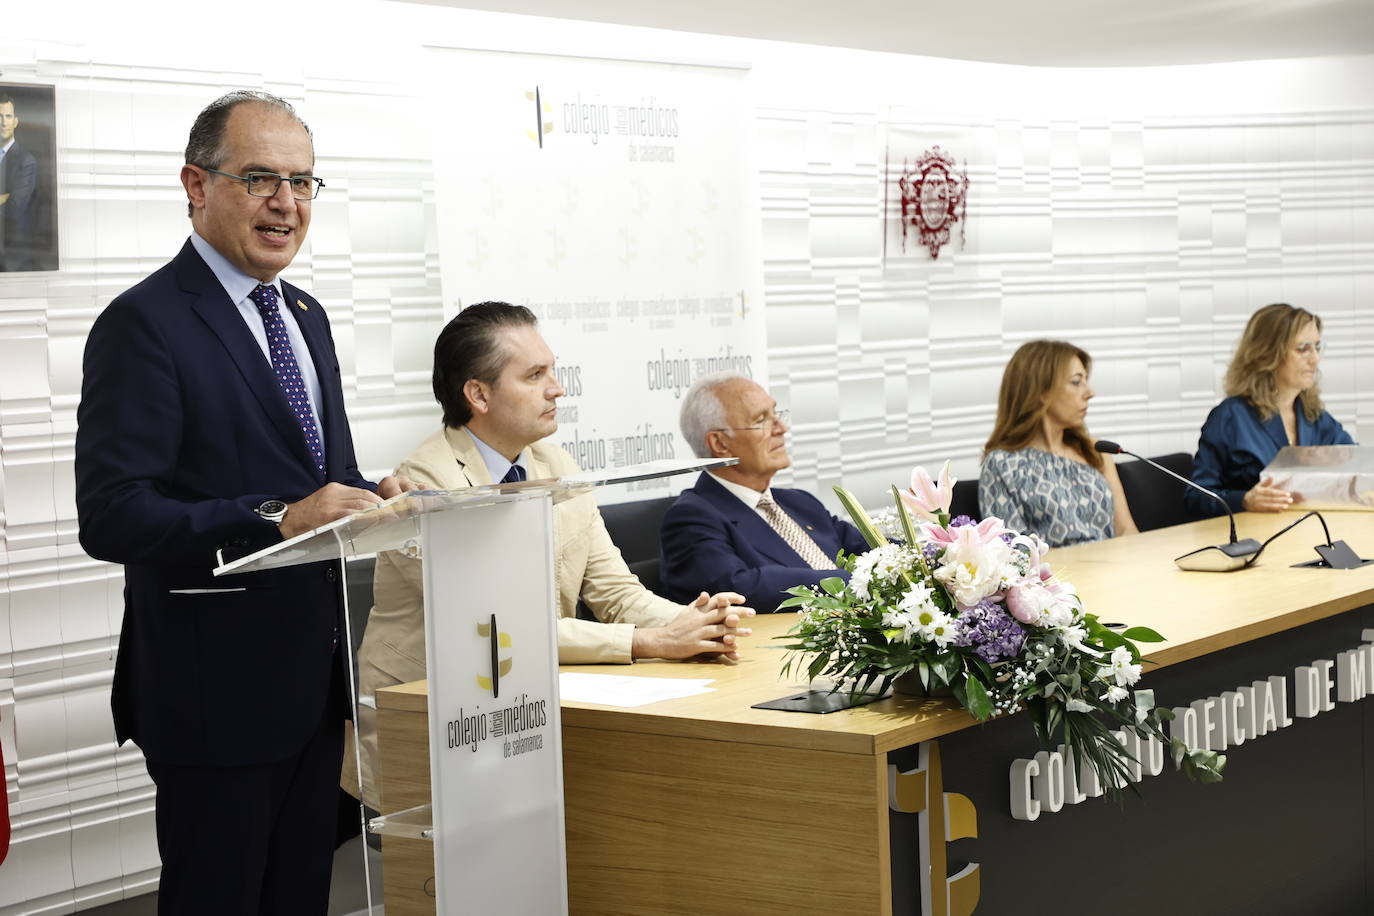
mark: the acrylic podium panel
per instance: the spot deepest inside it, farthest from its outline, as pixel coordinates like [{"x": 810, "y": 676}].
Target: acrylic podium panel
[
  {"x": 1326, "y": 476},
  {"x": 495, "y": 753},
  {"x": 395, "y": 525}
]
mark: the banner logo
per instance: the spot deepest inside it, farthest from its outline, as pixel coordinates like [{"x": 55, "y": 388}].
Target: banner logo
[
  {"x": 944, "y": 818},
  {"x": 500, "y": 667},
  {"x": 541, "y": 108},
  {"x": 934, "y": 196}
]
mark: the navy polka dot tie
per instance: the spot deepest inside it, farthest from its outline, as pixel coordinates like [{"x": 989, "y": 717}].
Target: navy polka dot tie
[{"x": 288, "y": 372}]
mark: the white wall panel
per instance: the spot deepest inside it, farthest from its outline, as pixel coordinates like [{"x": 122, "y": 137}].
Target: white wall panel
[
  {"x": 82, "y": 810},
  {"x": 1147, "y": 239},
  {"x": 1143, "y": 214}
]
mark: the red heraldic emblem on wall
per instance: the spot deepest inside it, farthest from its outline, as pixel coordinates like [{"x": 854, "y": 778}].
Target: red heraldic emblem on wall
[{"x": 934, "y": 196}]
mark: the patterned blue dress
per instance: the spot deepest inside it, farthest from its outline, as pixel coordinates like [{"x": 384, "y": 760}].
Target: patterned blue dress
[{"x": 1063, "y": 501}]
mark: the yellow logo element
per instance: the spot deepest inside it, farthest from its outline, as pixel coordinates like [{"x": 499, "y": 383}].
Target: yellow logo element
[
  {"x": 302, "y": 306},
  {"x": 944, "y": 818},
  {"x": 541, "y": 108},
  {"x": 500, "y": 667}
]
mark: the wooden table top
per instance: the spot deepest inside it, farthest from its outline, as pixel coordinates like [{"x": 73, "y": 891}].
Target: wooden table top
[{"x": 1130, "y": 579}]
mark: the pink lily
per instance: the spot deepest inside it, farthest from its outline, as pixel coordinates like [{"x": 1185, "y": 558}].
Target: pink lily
[
  {"x": 927, "y": 498},
  {"x": 989, "y": 529}
]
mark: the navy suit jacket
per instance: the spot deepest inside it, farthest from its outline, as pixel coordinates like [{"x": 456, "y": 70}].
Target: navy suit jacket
[
  {"x": 18, "y": 179},
  {"x": 713, "y": 542},
  {"x": 183, "y": 430},
  {"x": 1235, "y": 446}
]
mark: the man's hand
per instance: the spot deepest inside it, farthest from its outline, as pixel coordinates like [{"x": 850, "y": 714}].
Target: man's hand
[
  {"x": 707, "y": 627},
  {"x": 331, "y": 501},
  {"x": 395, "y": 486},
  {"x": 1265, "y": 497}
]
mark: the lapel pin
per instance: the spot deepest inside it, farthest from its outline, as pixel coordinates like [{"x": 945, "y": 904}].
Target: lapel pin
[{"x": 302, "y": 306}]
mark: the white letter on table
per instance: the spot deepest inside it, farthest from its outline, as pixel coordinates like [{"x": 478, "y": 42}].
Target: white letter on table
[
  {"x": 1350, "y": 676},
  {"x": 1325, "y": 684},
  {"x": 1278, "y": 687},
  {"x": 1073, "y": 791},
  {"x": 1234, "y": 702},
  {"x": 1049, "y": 784},
  {"x": 1184, "y": 726},
  {"x": 1024, "y": 806}
]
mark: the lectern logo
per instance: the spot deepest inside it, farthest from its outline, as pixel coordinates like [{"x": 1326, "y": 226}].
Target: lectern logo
[
  {"x": 500, "y": 667},
  {"x": 944, "y": 818},
  {"x": 541, "y": 109},
  {"x": 934, "y": 196}
]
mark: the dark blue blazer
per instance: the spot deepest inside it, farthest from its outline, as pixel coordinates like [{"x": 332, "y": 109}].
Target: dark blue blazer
[
  {"x": 713, "y": 542},
  {"x": 183, "y": 430},
  {"x": 18, "y": 179},
  {"x": 1235, "y": 446}
]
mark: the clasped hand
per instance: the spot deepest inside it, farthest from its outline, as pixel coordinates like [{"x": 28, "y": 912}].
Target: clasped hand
[{"x": 708, "y": 627}]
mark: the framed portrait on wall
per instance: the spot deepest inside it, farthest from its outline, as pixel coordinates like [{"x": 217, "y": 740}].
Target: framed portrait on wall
[{"x": 28, "y": 177}]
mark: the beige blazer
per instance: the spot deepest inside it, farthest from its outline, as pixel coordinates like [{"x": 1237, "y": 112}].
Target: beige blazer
[{"x": 588, "y": 565}]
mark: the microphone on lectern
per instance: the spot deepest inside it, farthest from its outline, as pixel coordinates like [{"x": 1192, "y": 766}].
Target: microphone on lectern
[{"x": 1218, "y": 558}]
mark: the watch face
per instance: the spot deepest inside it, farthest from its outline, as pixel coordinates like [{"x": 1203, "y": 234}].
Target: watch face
[{"x": 272, "y": 508}]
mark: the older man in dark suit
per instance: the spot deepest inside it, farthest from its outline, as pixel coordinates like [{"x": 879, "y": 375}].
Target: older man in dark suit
[
  {"x": 212, "y": 420},
  {"x": 733, "y": 531}
]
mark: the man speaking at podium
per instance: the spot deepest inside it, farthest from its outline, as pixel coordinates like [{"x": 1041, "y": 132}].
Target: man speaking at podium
[
  {"x": 494, "y": 378},
  {"x": 212, "y": 420}
]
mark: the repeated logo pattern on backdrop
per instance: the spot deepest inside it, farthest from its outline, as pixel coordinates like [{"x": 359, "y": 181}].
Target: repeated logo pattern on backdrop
[{"x": 624, "y": 220}]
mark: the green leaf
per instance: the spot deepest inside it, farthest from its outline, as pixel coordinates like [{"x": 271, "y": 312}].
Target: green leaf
[
  {"x": 794, "y": 602},
  {"x": 833, "y": 585},
  {"x": 977, "y": 700},
  {"x": 908, "y": 529},
  {"x": 871, "y": 534},
  {"x": 1110, "y": 639},
  {"x": 946, "y": 666},
  {"x": 1142, "y": 634}
]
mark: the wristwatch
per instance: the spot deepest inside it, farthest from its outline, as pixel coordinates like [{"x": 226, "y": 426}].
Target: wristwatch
[{"x": 274, "y": 510}]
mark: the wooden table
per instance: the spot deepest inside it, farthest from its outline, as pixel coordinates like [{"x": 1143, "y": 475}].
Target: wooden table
[{"x": 705, "y": 805}]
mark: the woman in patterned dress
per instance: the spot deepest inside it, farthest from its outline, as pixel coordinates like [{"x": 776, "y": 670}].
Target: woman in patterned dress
[{"x": 1040, "y": 471}]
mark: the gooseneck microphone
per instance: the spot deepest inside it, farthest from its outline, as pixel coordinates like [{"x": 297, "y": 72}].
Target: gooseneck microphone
[{"x": 1219, "y": 558}]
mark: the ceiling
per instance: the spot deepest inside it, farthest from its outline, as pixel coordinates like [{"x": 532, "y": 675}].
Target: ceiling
[{"x": 1073, "y": 33}]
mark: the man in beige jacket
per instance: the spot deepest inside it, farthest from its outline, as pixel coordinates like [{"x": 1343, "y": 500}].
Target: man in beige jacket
[{"x": 493, "y": 376}]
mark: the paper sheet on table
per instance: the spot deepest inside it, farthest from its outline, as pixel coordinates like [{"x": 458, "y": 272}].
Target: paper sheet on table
[{"x": 625, "y": 691}]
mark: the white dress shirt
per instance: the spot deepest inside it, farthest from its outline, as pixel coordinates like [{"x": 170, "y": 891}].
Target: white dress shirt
[{"x": 238, "y": 285}]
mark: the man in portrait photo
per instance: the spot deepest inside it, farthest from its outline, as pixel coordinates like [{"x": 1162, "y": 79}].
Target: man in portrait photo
[{"x": 18, "y": 185}]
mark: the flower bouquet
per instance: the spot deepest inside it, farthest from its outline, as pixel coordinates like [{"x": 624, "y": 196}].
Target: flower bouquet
[{"x": 972, "y": 610}]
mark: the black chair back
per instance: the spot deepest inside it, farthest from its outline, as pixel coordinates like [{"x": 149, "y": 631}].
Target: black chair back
[
  {"x": 1155, "y": 498},
  {"x": 965, "y": 501},
  {"x": 634, "y": 527}
]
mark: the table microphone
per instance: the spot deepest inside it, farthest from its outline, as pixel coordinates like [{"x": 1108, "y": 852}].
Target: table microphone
[{"x": 1218, "y": 558}]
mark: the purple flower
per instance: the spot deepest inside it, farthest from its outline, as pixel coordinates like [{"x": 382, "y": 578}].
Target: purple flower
[
  {"x": 931, "y": 552},
  {"x": 960, "y": 521},
  {"x": 990, "y": 631}
]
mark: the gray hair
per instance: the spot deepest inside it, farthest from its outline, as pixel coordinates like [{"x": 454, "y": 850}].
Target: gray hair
[
  {"x": 702, "y": 410},
  {"x": 205, "y": 145}
]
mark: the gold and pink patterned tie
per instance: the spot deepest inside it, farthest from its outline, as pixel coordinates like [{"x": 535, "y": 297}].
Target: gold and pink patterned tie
[
  {"x": 288, "y": 371},
  {"x": 795, "y": 536}
]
